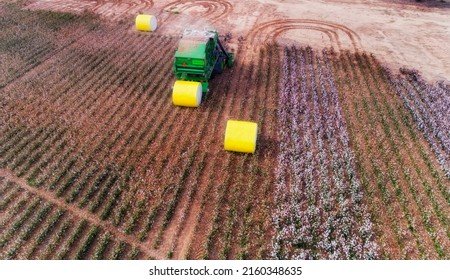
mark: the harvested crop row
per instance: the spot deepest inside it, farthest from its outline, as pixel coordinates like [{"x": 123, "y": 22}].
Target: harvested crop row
[{"x": 41, "y": 229}]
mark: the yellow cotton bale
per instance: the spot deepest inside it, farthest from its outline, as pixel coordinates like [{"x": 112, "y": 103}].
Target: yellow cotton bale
[
  {"x": 240, "y": 136},
  {"x": 188, "y": 94},
  {"x": 146, "y": 23}
]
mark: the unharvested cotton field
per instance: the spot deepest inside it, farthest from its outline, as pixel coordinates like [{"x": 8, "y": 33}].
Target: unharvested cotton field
[{"x": 321, "y": 211}]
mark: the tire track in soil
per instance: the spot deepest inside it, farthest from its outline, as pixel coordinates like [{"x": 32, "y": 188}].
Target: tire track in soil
[
  {"x": 172, "y": 153},
  {"x": 235, "y": 166},
  {"x": 117, "y": 9},
  {"x": 258, "y": 205},
  {"x": 265, "y": 30},
  {"x": 331, "y": 34},
  {"x": 130, "y": 3},
  {"x": 213, "y": 182},
  {"x": 176, "y": 165},
  {"x": 239, "y": 164},
  {"x": 205, "y": 189},
  {"x": 81, "y": 214},
  {"x": 236, "y": 175},
  {"x": 171, "y": 226},
  {"x": 186, "y": 204},
  {"x": 186, "y": 233},
  {"x": 215, "y": 10}
]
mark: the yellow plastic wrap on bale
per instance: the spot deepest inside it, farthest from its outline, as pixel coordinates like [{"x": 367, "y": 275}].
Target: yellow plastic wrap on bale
[
  {"x": 240, "y": 136},
  {"x": 146, "y": 23},
  {"x": 188, "y": 94}
]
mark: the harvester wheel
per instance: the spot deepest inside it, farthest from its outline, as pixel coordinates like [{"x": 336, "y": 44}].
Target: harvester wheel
[
  {"x": 218, "y": 68},
  {"x": 187, "y": 94},
  {"x": 240, "y": 136}
]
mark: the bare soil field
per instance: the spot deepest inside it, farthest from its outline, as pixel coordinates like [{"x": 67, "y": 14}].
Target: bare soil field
[
  {"x": 353, "y": 155},
  {"x": 401, "y": 33}
]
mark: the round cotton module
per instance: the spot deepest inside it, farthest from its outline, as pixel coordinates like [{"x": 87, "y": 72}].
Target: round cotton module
[
  {"x": 188, "y": 94},
  {"x": 240, "y": 136},
  {"x": 146, "y": 23}
]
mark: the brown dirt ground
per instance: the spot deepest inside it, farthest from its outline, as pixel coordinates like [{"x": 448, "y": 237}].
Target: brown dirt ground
[{"x": 400, "y": 32}]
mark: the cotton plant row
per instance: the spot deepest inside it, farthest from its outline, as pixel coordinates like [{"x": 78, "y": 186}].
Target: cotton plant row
[
  {"x": 444, "y": 86},
  {"x": 320, "y": 210},
  {"x": 429, "y": 107},
  {"x": 88, "y": 171},
  {"x": 77, "y": 171},
  {"x": 283, "y": 212},
  {"x": 370, "y": 248},
  {"x": 437, "y": 102},
  {"x": 435, "y": 119}
]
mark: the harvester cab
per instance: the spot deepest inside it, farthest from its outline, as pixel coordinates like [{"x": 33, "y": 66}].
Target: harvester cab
[{"x": 199, "y": 57}]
